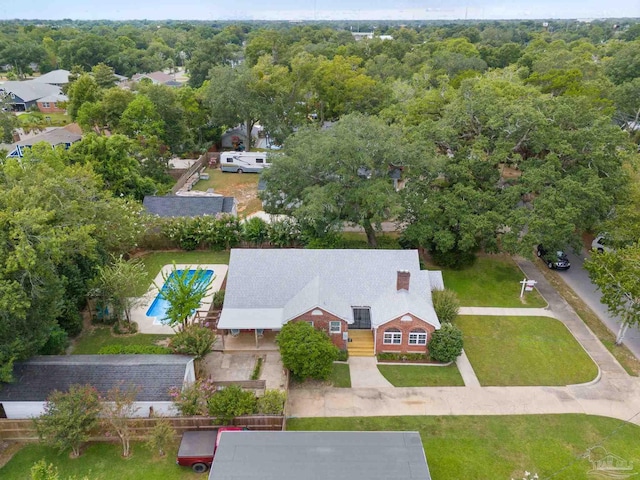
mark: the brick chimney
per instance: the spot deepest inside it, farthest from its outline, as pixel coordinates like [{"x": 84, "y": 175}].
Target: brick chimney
[{"x": 404, "y": 276}]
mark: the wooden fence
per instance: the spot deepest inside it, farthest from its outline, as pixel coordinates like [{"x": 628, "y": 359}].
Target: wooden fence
[
  {"x": 196, "y": 167},
  {"x": 24, "y": 430}
]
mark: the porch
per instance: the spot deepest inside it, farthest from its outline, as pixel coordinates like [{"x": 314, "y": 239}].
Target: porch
[{"x": 245, "y": 341}]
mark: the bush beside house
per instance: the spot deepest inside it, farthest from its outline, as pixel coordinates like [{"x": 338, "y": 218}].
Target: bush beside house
[
  {"x": 305, "y": 351},
  {"x": 446, "y": 344}
]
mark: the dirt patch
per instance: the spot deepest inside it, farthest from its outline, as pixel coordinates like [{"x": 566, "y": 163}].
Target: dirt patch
[{"x": 8, "y": 450}]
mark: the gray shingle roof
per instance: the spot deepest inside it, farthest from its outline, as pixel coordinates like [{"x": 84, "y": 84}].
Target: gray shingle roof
[
  {"x": 30, "y": 90},
  {"x": 278, "y": 285},
  {"x": 54, "y": 137},
  {"x": 55, "y": 77},
  {"x": 175, "y": 206},
  {"x": 35, "y": 379},
  {"x": 320, "y": 455}
]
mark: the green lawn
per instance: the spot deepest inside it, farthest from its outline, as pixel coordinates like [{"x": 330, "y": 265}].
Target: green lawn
[
  {"x": 492, "y": 281},
  {"x": 388, "y": 240},
  {"x": 421, "y": 376},
  {"x": 502, "y": 447},
  {"x": 90, "y": 341},
  {"x": 524, "y": 351},
  {"x": 153, "y": 262},
  {"x": 57, "y": 119},
  {"x": 100, "y": 461},
  {"x": 340, "y": 375}
]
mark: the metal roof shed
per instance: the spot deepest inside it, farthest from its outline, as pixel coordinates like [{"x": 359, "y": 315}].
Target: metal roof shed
[{"x": 320, "y": 455}]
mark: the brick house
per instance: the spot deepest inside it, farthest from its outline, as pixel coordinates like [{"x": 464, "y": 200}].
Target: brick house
[{"x": 367, "y": 301}]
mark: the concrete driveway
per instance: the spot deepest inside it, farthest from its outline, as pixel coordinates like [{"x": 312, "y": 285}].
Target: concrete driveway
[{"x": 578, "y": 279}]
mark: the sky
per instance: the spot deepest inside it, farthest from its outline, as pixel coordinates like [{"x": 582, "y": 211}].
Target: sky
[{"x": 316, "y": 9}]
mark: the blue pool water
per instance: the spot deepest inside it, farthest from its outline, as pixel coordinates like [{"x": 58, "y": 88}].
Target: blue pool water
[{"x": 159, "y": 306}]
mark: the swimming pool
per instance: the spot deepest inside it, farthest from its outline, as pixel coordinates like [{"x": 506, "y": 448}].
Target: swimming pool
[{"x": 159, "y": 307}]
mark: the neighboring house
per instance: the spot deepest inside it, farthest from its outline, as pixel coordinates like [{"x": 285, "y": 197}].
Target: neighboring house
[
  {"x": 52, "y": 103},
  {"x": 55, "y": 77},
  {"x": 158, "y": 78},
  {"x": 320, "y": 455},
  {"x": 24, "y": 95},
  {"x": 176, "y": 206},
  {"x": 65, "y": 136},
  {"x": 379, "y": 300},
  {"x": 153, "y": 375}
]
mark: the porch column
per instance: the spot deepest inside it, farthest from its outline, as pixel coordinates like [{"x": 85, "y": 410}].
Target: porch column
[
  {"x": 223, "y": 335},
  {"x": 255, "y": 331}
]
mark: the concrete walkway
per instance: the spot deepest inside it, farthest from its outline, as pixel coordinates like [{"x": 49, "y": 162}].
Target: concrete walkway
[
  {"x": 613, "y": 393},
  {"x": 365, "y": 374},
  {"x": 466, "y": 371}
]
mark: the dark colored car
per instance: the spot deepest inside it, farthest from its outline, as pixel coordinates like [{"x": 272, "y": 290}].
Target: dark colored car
[{"x": 557, "y": 260}]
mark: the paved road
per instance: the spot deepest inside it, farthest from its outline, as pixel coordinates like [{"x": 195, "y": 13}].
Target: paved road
[{"x": 578, "y": 279}]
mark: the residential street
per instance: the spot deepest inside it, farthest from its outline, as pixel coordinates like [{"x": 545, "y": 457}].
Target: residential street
[{"x": 578, "y": 279}]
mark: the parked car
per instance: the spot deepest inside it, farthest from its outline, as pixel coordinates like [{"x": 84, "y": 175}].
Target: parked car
[
  {"x": 197, "y": 448},
  {"x": 600, "y": 243},
  {"x": 554, "y": 259}
]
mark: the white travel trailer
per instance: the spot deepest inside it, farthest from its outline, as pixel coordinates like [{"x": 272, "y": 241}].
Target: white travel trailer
[{"x": 247, "y": 162}]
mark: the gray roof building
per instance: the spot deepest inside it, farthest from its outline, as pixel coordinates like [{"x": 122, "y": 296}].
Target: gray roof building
[
  {"x": 154, "y": 375},
  {"x": 192, "y": 206},
  {"x": 28, "y": 90},
  {"x": 266, "y": 288},
  {"x": 54, "y": 137},
  {"x": 320, "y": 455},
  {"x": 54, "y": 77}
]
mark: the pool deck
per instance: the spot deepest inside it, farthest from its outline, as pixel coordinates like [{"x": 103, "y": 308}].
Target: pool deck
[{"x": 139, "y": 313}]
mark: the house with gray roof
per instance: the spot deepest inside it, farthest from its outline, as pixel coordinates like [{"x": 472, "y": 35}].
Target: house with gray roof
[
  {"x": 24, "y": 95},
  {"x": 153, "y": 375},
  {"x": 297, "y": 455},
  {"x": 65, "y": 136},
  {"x": 191, "y": 206},
  {"x": 368, "y": 301},
  {"x": 54, "y": 77}
]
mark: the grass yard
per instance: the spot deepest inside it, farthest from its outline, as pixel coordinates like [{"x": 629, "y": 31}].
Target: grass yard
[
  {"x": 421, "y": 376},
  {"x": 154, "y": 261},
  {"x": 516, "y": 351},
  {"x": 244, "y": 187},
  {"x": 628, "y": 361},
  {"x": 492, "y": 281},
  {"x": 387, "y": 240},
  {"x": 340, "y": 375},
  {"x": 57, "y": 119},
  {"x": 100, "y": 461},
  {"x": 92, "y": 340},
  {"x": 502, "y": 447}
]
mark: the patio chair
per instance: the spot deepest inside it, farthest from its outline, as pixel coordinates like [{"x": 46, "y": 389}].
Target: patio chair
[
  {"x": 260, "y": 332},
  {"x": 234, "y": 332}
]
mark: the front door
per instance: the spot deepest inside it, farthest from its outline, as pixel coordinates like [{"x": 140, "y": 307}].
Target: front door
[{"x": 361, "y": 318}]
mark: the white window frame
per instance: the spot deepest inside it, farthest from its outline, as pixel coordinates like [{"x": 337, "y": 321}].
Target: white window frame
[
  {"x": 46, "y": 105},
  {"x": 392, "y": 338},
  {"x": 310, "y": 322},
  {"x": 332, "y": 323},
  {"x": 418, "y": 338}
]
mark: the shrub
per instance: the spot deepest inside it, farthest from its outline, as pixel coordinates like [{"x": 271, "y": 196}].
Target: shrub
[
  {"x": 446, "y": 305},
  {"x": 192, "y": 400},
  {"x": 272, "y": 402},
  {"x": 133, "y": 350},
  {"x": 161, "y": 437},
  {"x": 456, "y": 259},
  {"x": 254, "y": 231},
  {"x": 401, "y": 357},
  {"x": 255, "y": 375},
  {"x": 193, "y": 340},
  {"x": 218, "y": 299},
  {"x": 305, "y": 351},
  {"x": 343, "y": 355},
  {"x": 125, "y": 328},
  {"x": 56, "y": 343},
  {"x": 446, "y": 344},
  {"x": 230, "y": 402}
]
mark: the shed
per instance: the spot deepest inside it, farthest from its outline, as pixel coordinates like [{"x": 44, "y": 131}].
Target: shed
[
  {"x": 320, "y": 455},
  {"x": 178, "y": 206},
  {"x": 38, "y": 377}
]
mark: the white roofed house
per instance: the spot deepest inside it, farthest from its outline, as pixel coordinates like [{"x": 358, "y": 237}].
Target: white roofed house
[{"x": 368, "y": 301}]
